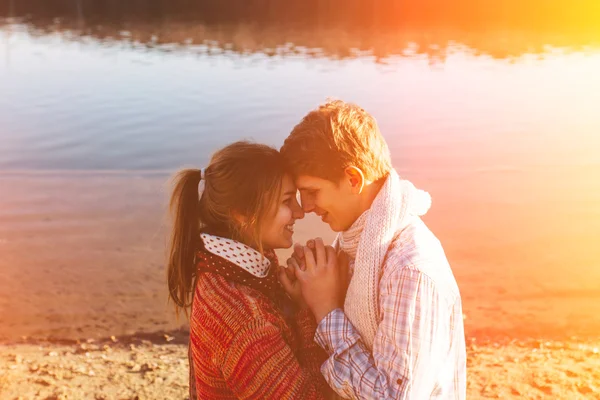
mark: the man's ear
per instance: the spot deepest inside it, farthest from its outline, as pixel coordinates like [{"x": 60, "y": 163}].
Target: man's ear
[{"x": 355, "y": 178}]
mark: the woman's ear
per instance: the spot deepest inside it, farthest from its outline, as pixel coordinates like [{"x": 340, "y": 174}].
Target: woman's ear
[
  {"x": 240, "y": 219},
  {"x": 355, "y": 178},
  {"x": 242, "y": 227}
]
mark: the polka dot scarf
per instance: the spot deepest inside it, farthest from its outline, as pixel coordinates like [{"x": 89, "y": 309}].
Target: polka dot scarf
[{"x": 241, "y": 264}]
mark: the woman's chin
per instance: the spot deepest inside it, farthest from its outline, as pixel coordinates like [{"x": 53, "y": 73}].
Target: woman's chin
[
  {"x": 287, "y": 242},
  {"x": 282, "y": 243}
]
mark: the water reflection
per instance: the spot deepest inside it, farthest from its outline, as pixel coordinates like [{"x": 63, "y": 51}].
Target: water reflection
[{"x": 318, "y": 28}]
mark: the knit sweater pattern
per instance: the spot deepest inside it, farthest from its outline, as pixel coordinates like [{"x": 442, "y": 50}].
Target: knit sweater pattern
[{"x": 245, "y": 346}]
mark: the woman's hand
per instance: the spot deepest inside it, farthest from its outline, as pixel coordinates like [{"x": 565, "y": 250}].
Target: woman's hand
[{"x": 289, "y": 280}]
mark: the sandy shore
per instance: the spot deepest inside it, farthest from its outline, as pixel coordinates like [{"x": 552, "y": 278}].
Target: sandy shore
[
  {"x": 155, "y": 367},
  {"x": 82, "y": 259}
]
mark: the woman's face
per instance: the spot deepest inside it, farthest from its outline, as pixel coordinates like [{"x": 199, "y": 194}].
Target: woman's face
[{"x": 278, "y": 229}]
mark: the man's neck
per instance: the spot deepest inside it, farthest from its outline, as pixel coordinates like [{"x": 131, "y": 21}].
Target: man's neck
[{"x": 370, "y": 192}]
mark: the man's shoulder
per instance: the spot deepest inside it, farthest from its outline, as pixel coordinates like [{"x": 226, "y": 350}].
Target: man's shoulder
[
  {"x": 415, "y": 246},
  {"x": 415, "y": 250}
]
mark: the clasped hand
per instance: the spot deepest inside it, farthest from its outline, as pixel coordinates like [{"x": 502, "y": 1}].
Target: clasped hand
[{"x": 316, "y": 277}]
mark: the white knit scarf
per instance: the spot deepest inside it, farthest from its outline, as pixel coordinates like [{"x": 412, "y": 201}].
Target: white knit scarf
[{"x": 368, "y": 241}]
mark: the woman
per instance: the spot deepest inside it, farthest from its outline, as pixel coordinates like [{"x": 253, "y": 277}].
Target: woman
[{"x": 247, "y": 339}]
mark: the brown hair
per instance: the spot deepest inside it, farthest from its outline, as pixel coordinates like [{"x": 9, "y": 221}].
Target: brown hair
[
  {"x": 242, "y": 179},
  {"x": 335, "y": 136}
]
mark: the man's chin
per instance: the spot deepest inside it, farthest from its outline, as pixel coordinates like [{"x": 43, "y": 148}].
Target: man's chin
[
  {"x": 339, "y": 227},
  {"x": 334, "y": 227}
]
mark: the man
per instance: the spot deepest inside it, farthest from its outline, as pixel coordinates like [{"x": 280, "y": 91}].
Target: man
[{"x": 400, "y": 333}]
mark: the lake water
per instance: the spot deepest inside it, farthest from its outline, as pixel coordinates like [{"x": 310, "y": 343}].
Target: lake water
[{"x": 500, "y": 124}]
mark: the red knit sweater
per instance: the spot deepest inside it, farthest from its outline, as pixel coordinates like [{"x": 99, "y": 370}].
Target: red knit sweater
[{"x": 243, "y": 347}]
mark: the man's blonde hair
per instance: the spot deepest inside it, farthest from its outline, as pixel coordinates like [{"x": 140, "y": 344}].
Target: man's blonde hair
[{"x": 335, "y": 136}]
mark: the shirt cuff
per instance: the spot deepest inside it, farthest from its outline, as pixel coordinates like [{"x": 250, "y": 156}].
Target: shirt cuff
[{"x": 335, "y": 333}]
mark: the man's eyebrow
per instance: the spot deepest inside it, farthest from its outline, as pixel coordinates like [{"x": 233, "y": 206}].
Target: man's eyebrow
[
  {"x": 290, "y": 192},
  {"x": 306, "y": 188}
]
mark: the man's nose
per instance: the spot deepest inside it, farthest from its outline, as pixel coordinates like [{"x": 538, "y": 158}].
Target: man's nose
[
  {"x": 307, "y": 208},
  {"x": 307, "y": 204}
]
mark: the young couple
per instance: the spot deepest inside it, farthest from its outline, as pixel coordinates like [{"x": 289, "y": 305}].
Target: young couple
[{"x": 375, "y": 316}]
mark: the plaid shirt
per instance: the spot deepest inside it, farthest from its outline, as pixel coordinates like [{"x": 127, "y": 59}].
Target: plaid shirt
[{"x": 419, "y": 348}]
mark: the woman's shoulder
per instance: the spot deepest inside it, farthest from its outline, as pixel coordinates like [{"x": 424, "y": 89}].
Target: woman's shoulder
[{"x": 219, "y": 303}]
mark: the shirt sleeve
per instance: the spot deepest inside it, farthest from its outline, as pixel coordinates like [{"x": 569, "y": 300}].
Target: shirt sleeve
[
  {"x": 402, "y": 364},
  {"x": 259, "y": 364}
]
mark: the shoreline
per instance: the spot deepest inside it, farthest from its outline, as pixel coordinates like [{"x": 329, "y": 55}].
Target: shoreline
[{"x": 83, "y": 257}]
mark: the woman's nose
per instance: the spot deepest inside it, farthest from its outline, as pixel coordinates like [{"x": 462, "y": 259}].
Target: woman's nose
[{"x": 298, "y": 213}]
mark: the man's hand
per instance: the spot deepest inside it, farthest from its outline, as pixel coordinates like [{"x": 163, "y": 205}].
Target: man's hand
[
  {"x": 344, "y": 274},
  {"x": 324, "y": 282}
]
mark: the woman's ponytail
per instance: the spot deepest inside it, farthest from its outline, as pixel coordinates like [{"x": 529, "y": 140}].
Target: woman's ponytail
[{"x": 185, "y": 235}]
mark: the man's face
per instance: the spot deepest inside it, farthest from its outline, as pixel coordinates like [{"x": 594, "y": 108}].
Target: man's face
[{"x": 336, "y": 203}]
